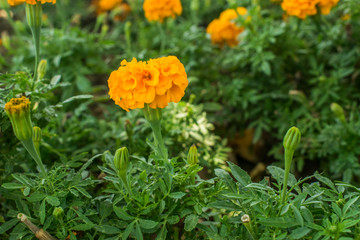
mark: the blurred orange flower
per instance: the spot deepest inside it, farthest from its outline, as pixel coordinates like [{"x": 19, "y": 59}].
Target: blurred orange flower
[
  {"x": 224, "y": 30},
  {"x": 33, "y": 2},
  {"x": 158, "y": 10},
  {"x": 155, "y": 82},
  {"x": 304, "y": 8}
]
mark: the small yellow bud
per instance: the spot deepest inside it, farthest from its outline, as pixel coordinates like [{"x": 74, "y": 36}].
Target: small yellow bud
[
  {"x": 192, "y": 157},
  {"x": 42, "y": 69},
  {"x": 338, "y": 112},
  {"x": 37, "y": 138},
  {"x": 18, "y": 110}
]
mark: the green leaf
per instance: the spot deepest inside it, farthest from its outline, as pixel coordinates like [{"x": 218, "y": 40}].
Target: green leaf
[
  {"x": 278, "y": 222},
  {"x": 177, "y": 195},
  {"x": 42, "y": 212},
  {"x": 122, "y": 214},
  {"x": 139, "y": 235},
  {"x": 298, "y": 216},
  {"x": 240, "y": 175},
  {"x": 224, "y": 205},
  {"x": 191, "y": 222},
  {"x": 147, "y": 224},
  {"x": 212, "y": 106},
  {"x": 173, "y": 219},
  {"x": 12, "y": 186},
  {"x": 225, "y": 177},
  {"x": 77, "y": 97},
  {"x": 325, "y": 181},
  {"x": 54, "y": 201},
  {"x": 83, "y": 192},
  {"x": 107, "y": 229},
  {"x": 348, "y": 204},
  {"x": 162, "y": 234},
  {"x": 7, "y": 225},
  {"x": 83, "y": 227},
  {"x": 299, "y": 233},
  {"x": 128, "y": 231}
]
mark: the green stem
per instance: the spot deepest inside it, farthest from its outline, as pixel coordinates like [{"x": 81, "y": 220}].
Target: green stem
[
  {"x": 250, "y": 230},
  {"x": 29, "y": 146},
  {"x": 34, "y": 18},
  {"x": 288, "y": 159},
  {"x": 126, "y": 184},
  {"x": 153, "y": 116},
  {"x": 162, "y": 37}
]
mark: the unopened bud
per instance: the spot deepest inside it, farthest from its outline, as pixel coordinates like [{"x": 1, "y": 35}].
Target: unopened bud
[
  {"x": 5, "y": 40},
  {"x": 18, "y": 110},
  {"x": 42, "y": 69},
  {"x": 37, "y": 135},
  {"x": 58, "y": 212},
  {"x": 121, "y": 161},
  {"x": 195, "y": 5},
  {"x": 338, "y": 112},
  {"x": 192, "y": 157},
  {"x": 292, "y": 139},
  {"x": 245, "y": 218}
]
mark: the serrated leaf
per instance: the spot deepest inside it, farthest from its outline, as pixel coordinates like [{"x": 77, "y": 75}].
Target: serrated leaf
[
  {"x": 278, "y": 222},
  {"x": 128, "y": 231},
  {"x": 147, "y": 224},
  {"x": 297, "y": 215},
  {"x": 83, "y": 192},
  {"x": 107, "y": 229},
  {"x": 240, "y": 175},
  {"x": 12, "y": 186},
  {"x": 54, "y": 201},
  {"x": 122, "y": 214},
  {"x": 8, "y": 225},
  {"x": 138, "y": 233},
  {"x": 177, "y": 195},
  {"x": 83, "y": 227},
  {"x": 299, "y": 233},
  {"x": 191, "y": 222},
  {"x": 173, "y": 219},
  {"x": 42, "y": 212}
]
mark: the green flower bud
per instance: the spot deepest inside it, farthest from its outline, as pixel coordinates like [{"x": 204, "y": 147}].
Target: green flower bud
[
  {"x": 58, "y": 212},
  {"x": 338, "y": 112},
  {"x": 152, "y": 114},
  {"x": 292, "y": 139},
  {"x": 18, "y": 110},
  {"x": 34, "y": 14},
  {"x": 42, "y": 69},
  {"x": 195, "y": 5},
  {"x": 121, "y": 161},
  {"x": 37, "y": 138},
  {"x": 192, "y": 157}
]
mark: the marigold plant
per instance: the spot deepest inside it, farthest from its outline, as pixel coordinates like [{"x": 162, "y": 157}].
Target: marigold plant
[
  {"x": 155, "y": 82},
  {"x": 32, "y": 2},
  {"x": 304, "y": 8},
  {"x": 224, "y": 30},
  {"x": 158, "y": 10}
]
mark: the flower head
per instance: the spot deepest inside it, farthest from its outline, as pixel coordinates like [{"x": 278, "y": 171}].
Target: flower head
[
  {"x": 156, "y": 82},
  {"x": 18, "y": 110},
  {"x": 32, "y": 2},
  {"x": 158, "y": 10},
  {"x": 224, "y": 30},
  {"x": 304, "y": 8}
]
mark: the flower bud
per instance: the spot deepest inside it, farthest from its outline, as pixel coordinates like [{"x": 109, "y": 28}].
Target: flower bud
[
  {"x": 18, "y": 110},
  {"x": 338, "y": 112},
  {"x": 292, "y": 139},
  {"x": 195, "y": 5},
  {"x": 121, "y": 161},
  {"x": 5, "y": 40},
  {"x": 58, "y": 212},
  {"x": 192, "y": 157},
  {"x": 37, "y": 138},
  {"x": 42, "y": 69},
  {"x": 34, "y": 15}
]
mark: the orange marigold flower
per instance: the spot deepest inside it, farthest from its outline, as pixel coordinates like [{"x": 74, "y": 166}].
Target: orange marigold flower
[
  {"x": 224, "y": 30},
  {"x": 33, "y": 2},
  {"x": 327, "y": 5},
  {"x": 158, "y": 10},
  {"x": 300, "y": 8},
  {"x": 155, "y": 82}
]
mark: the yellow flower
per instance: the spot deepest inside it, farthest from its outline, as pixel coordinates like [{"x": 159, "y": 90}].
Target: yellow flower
[
  {"x": 18, "y": 110},
  {"x": 156, "y": 82},
  {"x": 304, "y": 8},
  {"x": 223, "y": 29},
  {"x": 300, "y": 8},
  {"x": 33, "y": 2},
  {"x": 326, "y": 5},
  {"x": 158, "y": 10},
  {"x": 346, "y": 17}
]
